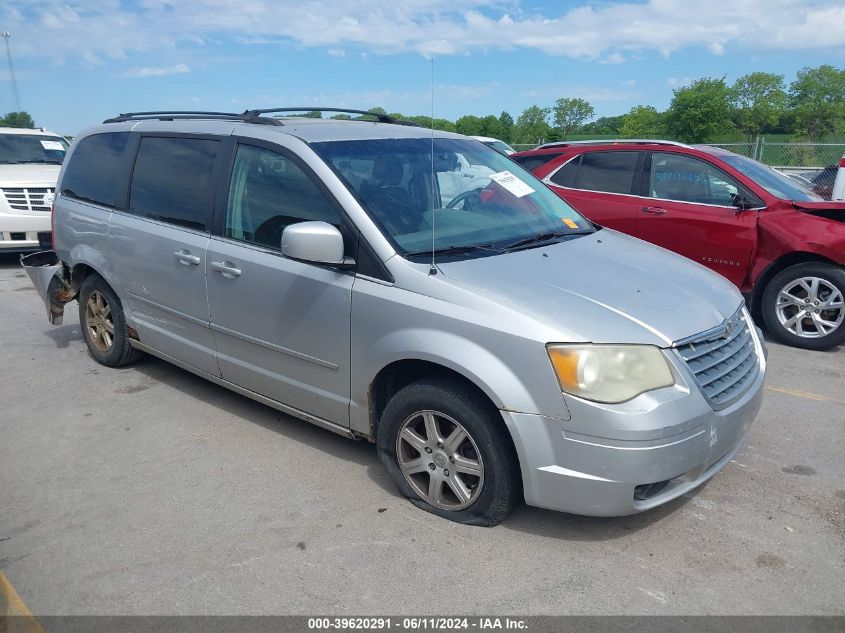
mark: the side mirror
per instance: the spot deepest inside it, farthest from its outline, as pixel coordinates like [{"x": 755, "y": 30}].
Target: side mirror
[
  {"x": 741, "y": 203},
  {"x": 316, "y": 242}
]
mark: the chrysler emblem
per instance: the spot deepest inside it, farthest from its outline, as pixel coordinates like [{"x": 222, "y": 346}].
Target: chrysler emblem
[{"x": 728, "y": 330}]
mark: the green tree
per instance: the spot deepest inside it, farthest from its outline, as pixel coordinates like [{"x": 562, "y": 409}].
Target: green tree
[
  {"x": 17, "y": 119},
  {"x": 532, "y": 126},
  {"x": 759, "y": 102},
  {"x": 373, "y": 110},
  {"x": 700, "y": 112},
  {"x": 604, "y": 125},
  {"x": 642, "y": 122},
  {"x": 571, "y": 114},
  {"x": 425, "y": 121},
  {"x": 818, "y": 99},
  {"x": 491, "y": 126},
  {"x": 342, "y": 117},
  {"x": 506, "y": 121},
  {"x": 470, "y": 125},
  {"x": 314, "y": 114}
]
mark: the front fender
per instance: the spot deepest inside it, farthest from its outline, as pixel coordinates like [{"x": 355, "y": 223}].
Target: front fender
[{"x": 516, "y": 386}]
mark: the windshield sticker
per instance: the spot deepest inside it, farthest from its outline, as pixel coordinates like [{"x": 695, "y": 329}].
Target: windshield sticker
[
  {"x": 570, "y": 223},
  {"x": 511, "y": 183},
  {"x": 53, "y": 145}
]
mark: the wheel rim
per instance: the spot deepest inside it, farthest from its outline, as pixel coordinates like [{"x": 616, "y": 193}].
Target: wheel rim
[
  {"x": 810, "y": 307},
  {"x": 440, "y": 460},
  {"x": 99, "y": 322}
]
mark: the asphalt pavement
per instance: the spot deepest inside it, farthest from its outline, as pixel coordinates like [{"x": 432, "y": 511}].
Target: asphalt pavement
[{"x": 147, "y": 490}]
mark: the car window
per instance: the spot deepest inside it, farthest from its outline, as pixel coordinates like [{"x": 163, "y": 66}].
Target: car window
[
  {"x": 20, "y": 149},
  {"x": 688, "y": 179},
  {"x": 267, "y": 192},
  {"x": 489, "y": 204},
  {"x": 94, "y": 173},
  {"x": 172, "y": 181},
  {"x": 774, "y": 182},
  {"x": 532, "y": 162},
  {"x": 567, "y": 175},
  {"x": 609, "y": 172}
]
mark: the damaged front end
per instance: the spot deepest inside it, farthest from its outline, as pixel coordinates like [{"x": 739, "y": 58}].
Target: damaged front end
[{"x": 50, "y": 277}]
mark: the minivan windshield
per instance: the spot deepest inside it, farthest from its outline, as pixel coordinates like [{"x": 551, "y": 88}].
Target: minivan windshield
[
  {"x": 478, "y": 201},
  {"x": 17, "y": 149},
  {"x": 771, "y": 180}
]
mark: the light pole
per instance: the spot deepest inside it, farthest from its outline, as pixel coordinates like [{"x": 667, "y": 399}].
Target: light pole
[{"x": 16, "y": 102}]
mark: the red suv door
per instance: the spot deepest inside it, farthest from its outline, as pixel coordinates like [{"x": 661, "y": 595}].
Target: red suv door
[
  {"x": 599, "y": 185},
  {"x": 686, "y": 205}
]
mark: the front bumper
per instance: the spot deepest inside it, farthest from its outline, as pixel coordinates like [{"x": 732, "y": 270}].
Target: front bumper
[
  {"x": 24, "y": 232},
  {"x": 573, "y": 472}
]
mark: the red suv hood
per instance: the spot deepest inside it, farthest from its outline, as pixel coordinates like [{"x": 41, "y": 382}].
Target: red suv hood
[
  {"x": 824, "y": 209},
  {"x": 824, "y": 205}
]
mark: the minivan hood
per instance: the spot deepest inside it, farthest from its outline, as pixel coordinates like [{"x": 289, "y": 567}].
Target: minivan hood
[
  {"x": 29, "y": 174},
  {"x": 604, "y": 288}
]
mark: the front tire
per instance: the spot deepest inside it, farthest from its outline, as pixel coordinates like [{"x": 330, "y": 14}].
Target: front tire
[
  {"x": 104, "y": 324},
  {"x": 804, "y": 306},
  {"x": 449, "y": 452}
]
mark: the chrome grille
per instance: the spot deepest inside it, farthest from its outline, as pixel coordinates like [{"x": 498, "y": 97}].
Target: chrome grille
[
  {"x": 28, "y": 199},
  {"x": 723, "y": 360}
]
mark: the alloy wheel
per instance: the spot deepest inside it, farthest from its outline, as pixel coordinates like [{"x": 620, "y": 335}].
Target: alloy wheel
[
  {"x": 810, "y": 307},
  {"x": 440, "y": 460},
  {"x": 98, "y": 320}
]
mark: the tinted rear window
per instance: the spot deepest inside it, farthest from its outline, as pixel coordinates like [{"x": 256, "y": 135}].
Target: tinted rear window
[
  {"x": 611, "y": 172},
  {"x": 172, "y": 181},
  {"x": 533, "y": 162},
  {"x": 95, "y": 171}
]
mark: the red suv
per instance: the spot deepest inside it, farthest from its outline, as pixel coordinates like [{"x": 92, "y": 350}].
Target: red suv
[{"x": 780, "y": 243}]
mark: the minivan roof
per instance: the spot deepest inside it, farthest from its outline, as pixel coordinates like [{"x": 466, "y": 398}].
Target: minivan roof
[{"x": 310, "y": 130}]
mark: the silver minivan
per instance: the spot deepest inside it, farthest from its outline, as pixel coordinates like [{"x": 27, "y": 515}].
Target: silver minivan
[{"x": 495, "y": 347}]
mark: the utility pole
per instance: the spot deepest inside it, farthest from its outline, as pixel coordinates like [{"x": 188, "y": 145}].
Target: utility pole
[{"x": 16, "y": 102}]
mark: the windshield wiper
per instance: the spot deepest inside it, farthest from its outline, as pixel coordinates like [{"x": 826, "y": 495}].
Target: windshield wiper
[
  {"x": 28, "y": 162},
  {"x": 457, "y": 250},
  {"x": 540, "y": 237}
]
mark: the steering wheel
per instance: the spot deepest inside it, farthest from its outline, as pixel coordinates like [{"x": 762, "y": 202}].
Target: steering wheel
[{"x": 471, "y": 198}]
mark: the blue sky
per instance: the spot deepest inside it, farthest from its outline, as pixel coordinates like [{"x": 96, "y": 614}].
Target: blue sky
[{"x": 78, "y": 62}]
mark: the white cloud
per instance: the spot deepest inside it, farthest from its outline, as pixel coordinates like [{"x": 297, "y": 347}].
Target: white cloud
[
  {"x": 678, "y": 82},
  {"x": 161, "y": 71},
  {"x": 110, "y": 29},
  {"x": 595, "y": 94}
]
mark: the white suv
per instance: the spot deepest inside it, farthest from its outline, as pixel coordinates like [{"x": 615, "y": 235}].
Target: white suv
[{"x": 30, "y": 160}]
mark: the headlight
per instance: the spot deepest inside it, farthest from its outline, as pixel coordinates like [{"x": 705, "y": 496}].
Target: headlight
[{"x": 610, "y": 373}]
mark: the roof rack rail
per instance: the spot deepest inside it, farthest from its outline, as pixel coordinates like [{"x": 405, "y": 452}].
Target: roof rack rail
[
  {"x": 381, "y": 118},
  {"x": 614, "y": 141},
  {"x": 171, "y": 115},
  {"x": 247, "y": 116}
]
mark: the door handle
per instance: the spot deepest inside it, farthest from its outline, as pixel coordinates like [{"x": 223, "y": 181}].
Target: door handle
[
  {"x": 187, "y": 257},
  {"x": 227, "y": 269},
  {"x": 654, "y": 210}
]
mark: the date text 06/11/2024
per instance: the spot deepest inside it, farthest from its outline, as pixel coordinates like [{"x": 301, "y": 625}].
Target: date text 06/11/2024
[{"x": 415, "y": 623}]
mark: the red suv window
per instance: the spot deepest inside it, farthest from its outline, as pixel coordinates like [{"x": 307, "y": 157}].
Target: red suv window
[{"x": 610, "y": 172}]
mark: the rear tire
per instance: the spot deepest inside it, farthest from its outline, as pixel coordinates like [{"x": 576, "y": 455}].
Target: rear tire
[
  {"x": 104, "y": 324},
  {"x": 803, "y": 306},
  {"x": 449, "y": 452}
]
